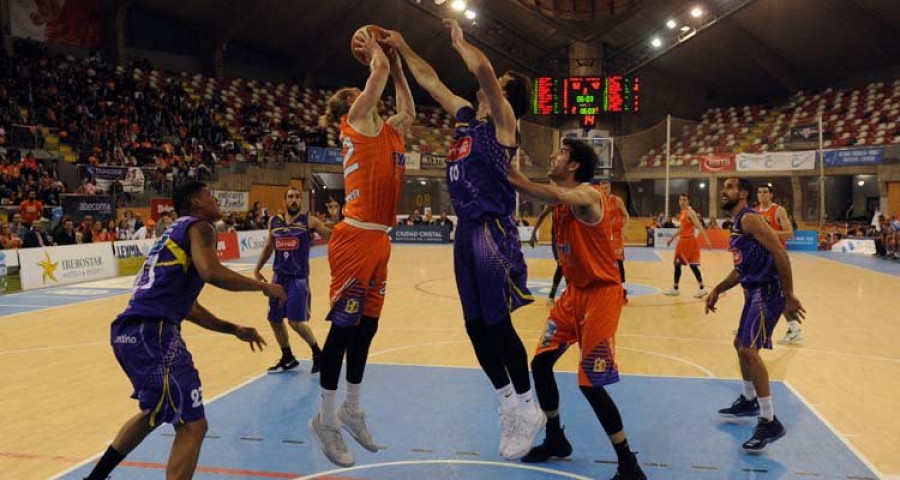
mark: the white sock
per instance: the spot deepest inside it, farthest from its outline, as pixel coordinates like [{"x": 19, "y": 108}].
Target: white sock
[
  {"x": 354, "y": 396},
  {"x": 327, "y": 408},
  {"x": 749, "y": 390},
  {"x": 766, "y": 408},
  {"x": 507, "y": 398},
  {"x": 526, "y": 402},
  {"x": 794, "y": 326}
]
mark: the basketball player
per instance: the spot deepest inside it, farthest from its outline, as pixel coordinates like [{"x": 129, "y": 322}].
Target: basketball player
[
  {"x": 146, "y": 337},
  {"x": 589, "y": 308},
  {"x": 777, "y": 218},
  {"x": 763, "y": 269},
  {"x": 619, "y": 219},
  {"x": 491, "y": 275},
  {"x": 557, "y": 275},
  {"x": 687, "y": 252},
  {"x": 374, "y": 164},
  {"x": 290, "y": 238}
]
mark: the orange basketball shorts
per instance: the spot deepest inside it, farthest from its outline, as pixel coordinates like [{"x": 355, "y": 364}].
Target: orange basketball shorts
[{"x": 358, "y": 260}]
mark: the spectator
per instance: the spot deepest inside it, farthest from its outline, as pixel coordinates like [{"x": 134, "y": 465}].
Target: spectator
[
  {"x": 66, "y": 235},
  {"x": 334, "y": 211},
  {"x": 35, "y": 237},
  {"x": 9, "y": 240},
  {"x": 521, "y": 222},
  {"x": 163, "y": 224},
  {"x": 17, "y": 227},
  {"x": 31, "y": 209},
  {"x": 100, "y": 234},
  {"x": 143, "y": 232},
  {"x": 444, "y": 221}
]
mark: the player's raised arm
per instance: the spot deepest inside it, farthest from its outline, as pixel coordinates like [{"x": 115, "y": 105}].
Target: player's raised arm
[
  {"x": 406, "y": 107},
  {"x": 362, "y": 108},
  {"x": 580, "y": 196},
  {"x": 477, "y": 62},
  {"x": 425, "y": 75}
]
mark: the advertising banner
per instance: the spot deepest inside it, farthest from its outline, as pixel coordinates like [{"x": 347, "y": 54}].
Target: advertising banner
[
  {"x": 51, "y": 266},
  {"x": 232, "y": 201},
  {"x": 160, "y": 205},
  {"x": 525, "y": 233},
  {"x": 413, "y": 161},
  {"x": 854, "y": 156},
  {"x": 430, "y": 161},
  {"x": 716, "y": 163},
  {"x": 802, "y": 160},
  {"x": 130, "y": 255},
  {"x": 101, "y": 208},
  {"x": 420, "y": 234},
  {"x": 252, "y": 242},
  {"x": 804, "y": 240},
  {"x": 323, "y": 155},
  {"x": 69, "y": 22},
  {"x": 227, "y": 247},
  {"x": 3, "y": 272},
  {"x": 862, "y": 246}
]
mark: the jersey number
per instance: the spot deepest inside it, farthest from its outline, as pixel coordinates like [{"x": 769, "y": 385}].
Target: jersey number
[
  {"x": 454, "y": 173},
  {"x": 147, "y": 276}
]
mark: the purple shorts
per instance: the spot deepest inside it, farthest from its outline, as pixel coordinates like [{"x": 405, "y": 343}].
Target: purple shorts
[
  {"x": 297, "y": 307},
  {"x": 491, "y": 275},
  {"x": 763, "y": 306},
  {"x": 155, "y": 358}
]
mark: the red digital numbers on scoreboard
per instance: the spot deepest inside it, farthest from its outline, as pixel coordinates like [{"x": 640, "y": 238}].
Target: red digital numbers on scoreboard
[{"x": 585, "y": 96}]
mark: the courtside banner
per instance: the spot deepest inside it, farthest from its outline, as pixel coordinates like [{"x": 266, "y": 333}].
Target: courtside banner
[
  {"x": 420, "y": 234},
  {"x": 252, "y": 242},
  {"x": 854, "y": 156},
  {"x": 227, "y": 247},
  {"x": 130, "y": 255},
  {"x": 160, "y": 205},
  {"x": 324, "y": 155},
  {"x": 804, "y": 240},
  {"x": 51, "y": 266}
]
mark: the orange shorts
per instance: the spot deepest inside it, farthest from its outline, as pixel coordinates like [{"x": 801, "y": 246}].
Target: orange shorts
[
  {"x": 590, "y": 317},
  {"x": 687, "y": 252},
  {"x": 358, "y": 260}
]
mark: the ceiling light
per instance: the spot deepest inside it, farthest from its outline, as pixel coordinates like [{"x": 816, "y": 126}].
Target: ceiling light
[
  {"x": 861, "y": 183},
  {"x": 702, "y": 185},
  {"x": 439, "y": 2},
  {"x": 671, "y": 24},
  {"x": 685, "y": 28},
  {"x": 656, "y": 42},
  {"x": 696, "y": 12},
  {"x": 458, "y": 5},
  {"x": 470, "y": 14}
]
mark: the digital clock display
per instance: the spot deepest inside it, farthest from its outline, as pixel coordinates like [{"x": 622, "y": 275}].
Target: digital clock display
[{"x": 583, "y": 96}]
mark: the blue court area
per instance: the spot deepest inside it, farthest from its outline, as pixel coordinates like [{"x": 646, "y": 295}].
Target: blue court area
[
  {"x": 441, "y": 423},
  {"x": 632, "y": 254},
  {"x": 889, "y": 267},
  {"x": 53, "y": 297}
]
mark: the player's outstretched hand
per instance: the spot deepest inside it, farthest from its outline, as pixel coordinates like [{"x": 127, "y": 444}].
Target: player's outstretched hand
[
  {"x": 259, "y": 276},
  {"x": 274, "y": 290},
  {"x": 711, "y": 300},
  {"x": 456, "y": 32},
  {"x": 394, "y": 39},
  {"x": 251, "y": 336},
  {"x": 793, "y": 310}
]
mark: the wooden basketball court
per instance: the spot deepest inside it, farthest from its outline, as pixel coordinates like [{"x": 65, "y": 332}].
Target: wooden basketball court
[{"x": 64, "y": 396}]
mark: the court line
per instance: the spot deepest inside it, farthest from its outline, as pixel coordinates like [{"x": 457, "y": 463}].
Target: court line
[
  {"x": 835, "y": 431},
  {"x": 517, "y": 466},
  {"x": 91, "y": 459},
  {"x": 807, "y": 255}
]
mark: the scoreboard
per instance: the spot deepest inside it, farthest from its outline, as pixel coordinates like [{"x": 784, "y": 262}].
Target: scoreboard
[{"x": 586, "y": 96}]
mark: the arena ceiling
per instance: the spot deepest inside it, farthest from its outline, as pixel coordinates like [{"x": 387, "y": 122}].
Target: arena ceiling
[{"x": 755, "y": 49}]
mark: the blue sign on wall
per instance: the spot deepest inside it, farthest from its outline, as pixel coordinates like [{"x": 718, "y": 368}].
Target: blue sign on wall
[
  {"x": 854, "y": 156},
  {"x": 804, "y": 240},
  {"x": 323, "y": 155}
]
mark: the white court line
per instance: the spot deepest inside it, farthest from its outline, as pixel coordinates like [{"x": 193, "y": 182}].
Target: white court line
[
  {"x": 85, "y": 344},
  {"x": 807, "y": 255},
  {"x": 518, "y": 466},
  {"x": 835, "y": 431},
  {"x": 91, "y": 459}
]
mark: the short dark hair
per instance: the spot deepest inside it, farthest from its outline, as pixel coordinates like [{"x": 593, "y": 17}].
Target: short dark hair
[
  {"x": 518, "y": 92},
  {"x": 685, "y": 196},
  {"x": 289, "y": 189},
  {"x": 766, "y": 186},
  {"x": 181, "y": 198},
  {"x": 584, "y": 155},
  {"x": 744, "y": 185}
]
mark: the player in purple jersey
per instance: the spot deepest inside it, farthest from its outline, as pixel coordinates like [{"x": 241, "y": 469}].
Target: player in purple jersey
[
  {"x": 290, "y": 237},
  {"x": 146, "y": 337},
  {"x": 762, "y": 267},
  {"x": 490, "y": 270}
]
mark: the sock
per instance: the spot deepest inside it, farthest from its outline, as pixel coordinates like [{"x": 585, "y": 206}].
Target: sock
[
  {"x": 316, "y": 351},
  {"x": 553, "y": 423},
  {"x": 749, "y": 390},
  {"x": 286, "y": 353},
  {"x": 327, "y": 409},
  {"x": 526, "y": 401},
  {"x": 794, "y": 326},
  {"x": 766, "y": 408},
  {"x": 354, "y": 395},
  {"x": 507, "y": 400},
  {"x": 110, "y": 459},
  {"x": 552, "y": 415},
  {"x": 625, "y": 455}
]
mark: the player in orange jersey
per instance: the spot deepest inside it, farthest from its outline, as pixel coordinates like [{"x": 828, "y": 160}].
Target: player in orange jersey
[
  {"x": 619, "y": 218},
  {"x": 359, "y": 250},
  {"x": 588, "y": 310},
  {"x": 687, "y": 252},
  {"x": 777, "y": 218}
]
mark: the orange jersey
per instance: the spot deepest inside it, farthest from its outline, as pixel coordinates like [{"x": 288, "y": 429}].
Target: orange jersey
[
  {"x": 770, "y": 214},
  {"x": 686, "y": 227},
  {"x": 586, "y": 252},
  {"x": 373, "y": 173}
]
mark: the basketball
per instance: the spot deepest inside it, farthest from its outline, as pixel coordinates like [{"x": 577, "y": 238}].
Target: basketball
[{"x": 366, "y": 31}]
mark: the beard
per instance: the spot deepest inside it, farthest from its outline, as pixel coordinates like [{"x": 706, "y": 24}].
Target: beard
[
  {"x": 729, "y": 203},
  {"x": 293, "y": 210}
]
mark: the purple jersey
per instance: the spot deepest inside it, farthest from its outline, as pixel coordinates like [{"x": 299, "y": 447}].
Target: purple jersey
[
  {"x": 168, "y": 284},
  {"x": 476, "y": 170},
  {"x": 291, "y": 242},
  {"x": 755, "y": 264}
]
